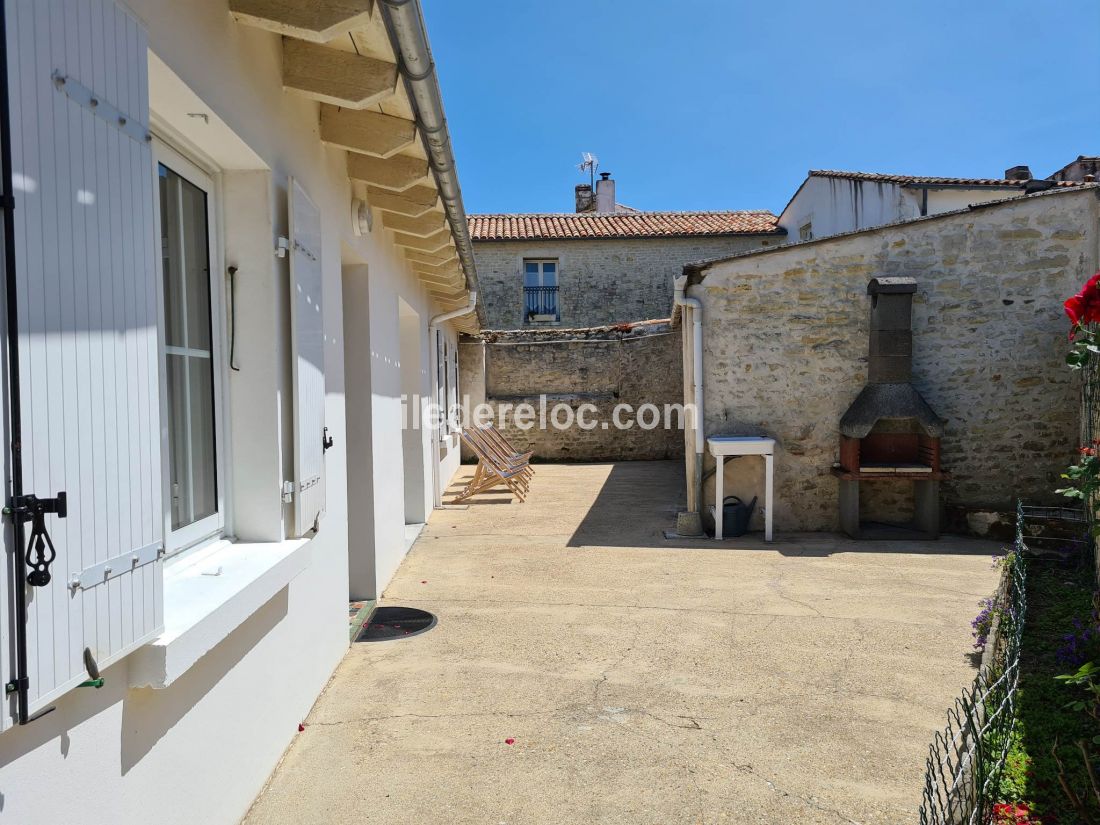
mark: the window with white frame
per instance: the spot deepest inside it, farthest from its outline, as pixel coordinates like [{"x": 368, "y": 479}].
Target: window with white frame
[
  {"x": 191, "y": 354},
  {"x": 806, "y": 231},
  {"x": 540, "y": 290}
]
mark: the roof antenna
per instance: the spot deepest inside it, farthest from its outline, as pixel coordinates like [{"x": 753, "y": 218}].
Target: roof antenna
[{"x": 591, "y": 163}]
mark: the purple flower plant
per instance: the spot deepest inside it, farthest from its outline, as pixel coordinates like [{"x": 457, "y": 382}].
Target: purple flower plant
[{"x": 983, "y": 623}]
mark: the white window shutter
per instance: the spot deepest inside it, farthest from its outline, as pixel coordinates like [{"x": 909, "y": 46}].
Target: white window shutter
[
  {"x": 307, "y": 321},
  {"x": 88, "y": 301}
]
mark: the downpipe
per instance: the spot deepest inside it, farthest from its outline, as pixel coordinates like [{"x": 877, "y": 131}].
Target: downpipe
[
  {"x": 695, "y": 492},
  {"x": 433, "y": 326}
]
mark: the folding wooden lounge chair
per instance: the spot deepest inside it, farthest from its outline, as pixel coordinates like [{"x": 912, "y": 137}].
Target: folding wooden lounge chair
[
  {"x": 497, "y": 437},
  {"x": 504, "y": 459},
  {"x": 500, "y": 447},
  {"x": 492, "y": 469}
]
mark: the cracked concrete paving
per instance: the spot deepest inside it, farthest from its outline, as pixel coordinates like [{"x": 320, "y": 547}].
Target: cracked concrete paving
[{"x": 643, "y": 681}]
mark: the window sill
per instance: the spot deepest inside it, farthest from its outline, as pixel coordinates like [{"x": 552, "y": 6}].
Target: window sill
[{"x": 207, "y": 595}]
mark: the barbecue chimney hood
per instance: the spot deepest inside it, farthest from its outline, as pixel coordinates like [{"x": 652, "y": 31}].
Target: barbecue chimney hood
[
  {"x": 890, "y": 431},
  {"x": 888, "y": 393}
]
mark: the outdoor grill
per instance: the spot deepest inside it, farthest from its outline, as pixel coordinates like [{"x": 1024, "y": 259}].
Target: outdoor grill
[{"x": 889, "y": 432}]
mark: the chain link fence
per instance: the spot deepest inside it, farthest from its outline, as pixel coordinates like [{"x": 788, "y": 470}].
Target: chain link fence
[{"x": 966, "y": 759}]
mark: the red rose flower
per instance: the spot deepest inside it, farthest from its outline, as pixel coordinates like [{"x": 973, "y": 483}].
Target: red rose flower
[{"x": 1084, "y": 307}]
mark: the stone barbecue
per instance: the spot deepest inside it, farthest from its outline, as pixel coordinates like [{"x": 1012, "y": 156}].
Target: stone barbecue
[{"x": 889, "y": 431}]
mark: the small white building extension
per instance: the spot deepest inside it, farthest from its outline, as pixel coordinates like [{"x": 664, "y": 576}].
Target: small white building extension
[
  {"x": 234, "y": 243},
  {"x": 831, "y": 203}
]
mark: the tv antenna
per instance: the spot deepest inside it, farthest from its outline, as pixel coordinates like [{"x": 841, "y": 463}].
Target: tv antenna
[{"x": 591, "y": 163}]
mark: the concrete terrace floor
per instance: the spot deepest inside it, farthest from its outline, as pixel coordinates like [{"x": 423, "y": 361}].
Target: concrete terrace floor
[{"x": 641, "y": 681}]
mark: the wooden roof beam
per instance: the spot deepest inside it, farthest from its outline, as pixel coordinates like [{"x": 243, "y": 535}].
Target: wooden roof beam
[
  {"x": 437, "y": 269},
  {"x": 411, "y": 202},
  {"x": 422, "y": 227},
  {"x": 396, "y": 174},
  {"x": 435, "y": 258},
  {"x": 449, "y": 279},
  {"x": 316, "y": 20},
  {"x": 432, "y": 243},
  {"x": 336, "y": 77},
  {"x": 369, "y": 133}
]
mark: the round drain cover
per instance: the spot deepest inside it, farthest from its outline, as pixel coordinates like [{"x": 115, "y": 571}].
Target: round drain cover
[{"x": 387, "y": 623}]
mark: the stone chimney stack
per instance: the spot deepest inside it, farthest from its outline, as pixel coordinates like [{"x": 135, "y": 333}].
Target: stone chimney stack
[
  {"x": 605, "y": 193},
  {"x": 586, "y": 201},
  {"x": 1018, "y": 173}
]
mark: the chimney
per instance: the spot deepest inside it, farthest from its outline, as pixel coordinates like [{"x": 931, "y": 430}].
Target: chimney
[
  {"x": 890, "y": 355},
  {"x": 586, "y": 202},
  {"x": 605, "y": 193},
  {"x": 1018, "y": 173}
]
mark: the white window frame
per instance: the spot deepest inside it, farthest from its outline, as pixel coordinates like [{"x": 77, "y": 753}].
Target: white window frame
[
  {"x": 806, "y": 223},
  {"x": 542, "y": 274},
  {"x": 212, "y": 527}
]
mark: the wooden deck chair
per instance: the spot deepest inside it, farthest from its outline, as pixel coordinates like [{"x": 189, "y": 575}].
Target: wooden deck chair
[
  {"x": 503, "y": 460},
  {"x": 497, "y": 437},
  {"x": 500, "y": 446},
  {"x": 490, "y": 471}
]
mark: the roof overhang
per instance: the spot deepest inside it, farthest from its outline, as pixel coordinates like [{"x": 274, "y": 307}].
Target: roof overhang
[{"x": 353, "y": 57}]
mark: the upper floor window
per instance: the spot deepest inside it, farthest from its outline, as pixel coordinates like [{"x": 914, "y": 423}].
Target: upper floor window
[
  {"x": 806, "y": 232},
  {"x": 540, "y": 290}
]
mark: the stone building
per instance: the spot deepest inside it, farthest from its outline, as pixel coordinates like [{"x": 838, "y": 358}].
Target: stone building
[
  {"x": 604, "y": 265},
  {"x": 786, "y": 342}
]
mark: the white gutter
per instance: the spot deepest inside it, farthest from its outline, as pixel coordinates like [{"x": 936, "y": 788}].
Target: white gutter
[
  {"x": 696, "y": 306},
  {"x": 409, "y": 37},
  {"x": 433, "y": 325}
]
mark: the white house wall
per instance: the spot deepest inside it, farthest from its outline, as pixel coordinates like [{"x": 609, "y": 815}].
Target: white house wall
[
  {"x": 834, "y": 205},
  {"x": 199, "y": 750}
]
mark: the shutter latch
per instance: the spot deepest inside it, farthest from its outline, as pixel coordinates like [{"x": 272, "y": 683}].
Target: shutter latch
[
  {"x": 326, "y": 441},
  {"x": 40, "y": 549}
]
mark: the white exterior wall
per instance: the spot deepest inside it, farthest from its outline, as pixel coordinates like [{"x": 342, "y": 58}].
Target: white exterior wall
[
  {"x": 836, "y": 205},
  {"x": 199, "y": 750}
]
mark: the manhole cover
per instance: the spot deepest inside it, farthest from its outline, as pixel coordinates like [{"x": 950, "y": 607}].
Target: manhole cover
[{"x": 387, "y": 623}]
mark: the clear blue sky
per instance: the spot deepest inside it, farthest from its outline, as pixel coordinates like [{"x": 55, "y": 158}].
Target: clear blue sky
[{"x": 724, "y": 104}]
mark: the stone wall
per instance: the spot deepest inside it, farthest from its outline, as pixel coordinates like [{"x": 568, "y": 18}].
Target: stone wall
[
  {"x": 600, "y": 281},
  {"x": 786, "y": 351},
  {"x": 632, "y": 364}
]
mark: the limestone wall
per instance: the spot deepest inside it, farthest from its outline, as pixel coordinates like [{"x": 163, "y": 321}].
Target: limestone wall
[
  {"x": 600, "y": 281},
  {"x": 633, "y": 364},
  {"x": 786, "y": 351}
]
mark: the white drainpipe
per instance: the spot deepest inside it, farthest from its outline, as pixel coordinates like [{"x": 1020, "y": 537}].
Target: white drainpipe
[
  {"x": 433, "y": 325},
  {"x": 696, "y": 307}
]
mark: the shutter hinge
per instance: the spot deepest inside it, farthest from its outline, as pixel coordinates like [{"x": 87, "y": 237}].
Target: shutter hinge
[
  {"x": 15, "y": 685},
  {"x": 288, "y": 491}
]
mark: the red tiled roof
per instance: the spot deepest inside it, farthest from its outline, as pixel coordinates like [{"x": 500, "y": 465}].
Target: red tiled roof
[
  {"x": 568, "y": 225},
  {"x": 918, "y": 180}
]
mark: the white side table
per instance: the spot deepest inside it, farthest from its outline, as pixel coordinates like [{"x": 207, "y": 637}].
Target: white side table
[{"x": 721, "y": 446}]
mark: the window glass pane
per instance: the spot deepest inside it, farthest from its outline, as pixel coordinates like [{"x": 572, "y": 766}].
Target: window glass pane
[
  {"x": 171, "y": 255},
  {"x": 197, "y": 251},
  {"x": 180, "y": 483},
  {"x": 531, "y": 267},
  {"x": 550, "y": 267},
  {"x": 194, "y": 481},
  {"x": 204, "y": 475},
  {"x": 531, "y": 278},
  {"x": 192, "y": 453}
]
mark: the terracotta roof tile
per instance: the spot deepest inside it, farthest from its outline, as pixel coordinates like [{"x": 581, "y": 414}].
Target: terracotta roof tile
[
  {"x": 918, "y": 180},
  {"x": 569, "y": 225}
]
